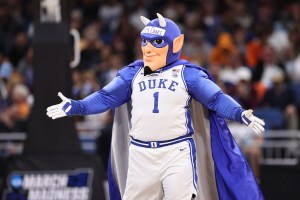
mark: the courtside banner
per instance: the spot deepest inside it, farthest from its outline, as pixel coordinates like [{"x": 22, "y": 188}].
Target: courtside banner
[{"x": 50, "y": 185}]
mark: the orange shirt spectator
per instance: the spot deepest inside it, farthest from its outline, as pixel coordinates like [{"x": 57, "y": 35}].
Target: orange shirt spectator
[
  {"x": 224, "y": 48},
  {"x": 253, "y": 53}
]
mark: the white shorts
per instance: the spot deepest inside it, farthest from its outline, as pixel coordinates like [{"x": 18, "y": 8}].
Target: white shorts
[{"x": 167, "y": 172}]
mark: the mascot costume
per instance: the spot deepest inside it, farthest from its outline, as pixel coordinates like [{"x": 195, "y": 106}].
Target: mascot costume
[{"x": 223, "y": 171}]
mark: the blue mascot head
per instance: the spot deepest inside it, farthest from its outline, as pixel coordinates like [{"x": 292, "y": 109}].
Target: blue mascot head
[{"x": 162, "y": 32}]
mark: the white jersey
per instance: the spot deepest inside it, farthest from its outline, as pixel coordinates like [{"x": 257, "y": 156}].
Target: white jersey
[{"x": 160, "y": 105}]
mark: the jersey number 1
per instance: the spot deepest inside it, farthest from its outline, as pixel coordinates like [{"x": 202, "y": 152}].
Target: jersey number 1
[{"x": 155, "y": 95}]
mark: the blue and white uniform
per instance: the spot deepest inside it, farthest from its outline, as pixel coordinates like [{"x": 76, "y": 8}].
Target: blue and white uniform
[{"x": 160, "y": 115}]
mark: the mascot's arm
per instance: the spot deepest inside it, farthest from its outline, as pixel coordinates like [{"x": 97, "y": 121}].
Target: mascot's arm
[
  {"x": 208, "y": 93},
  {"x": 117, "y": 92},
  {"x": 112, "y": 95},
  {"x": 203, "y": 89}
]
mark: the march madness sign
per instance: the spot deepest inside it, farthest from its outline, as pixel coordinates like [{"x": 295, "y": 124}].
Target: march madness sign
[{"x": 49, "y": 185}]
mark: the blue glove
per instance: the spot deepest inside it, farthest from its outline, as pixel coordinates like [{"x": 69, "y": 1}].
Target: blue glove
[
  {"x": 60, "y": 110},
  {"x": 253, "y": 122}
]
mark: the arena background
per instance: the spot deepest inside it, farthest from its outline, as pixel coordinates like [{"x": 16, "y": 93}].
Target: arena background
[{"x": 252, "y": 48}]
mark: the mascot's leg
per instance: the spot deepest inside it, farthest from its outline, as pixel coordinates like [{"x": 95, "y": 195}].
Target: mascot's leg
[
  {"x": 179, "y": 177},
  {"x": 143, "y": 181}
]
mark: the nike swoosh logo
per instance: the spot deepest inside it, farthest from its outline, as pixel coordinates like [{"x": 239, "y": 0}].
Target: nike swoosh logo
[{"x": 181, "y": 149}]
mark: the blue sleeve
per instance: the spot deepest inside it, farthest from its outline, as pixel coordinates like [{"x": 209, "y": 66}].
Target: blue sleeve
[
  {"x": 116, "y": 93},
  {"x": 210, "y": 94}
]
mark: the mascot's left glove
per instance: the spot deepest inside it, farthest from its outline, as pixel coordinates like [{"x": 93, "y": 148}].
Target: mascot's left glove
[
  {"x": 60, "y": 110},
  {"x": 253, "y": 122}
]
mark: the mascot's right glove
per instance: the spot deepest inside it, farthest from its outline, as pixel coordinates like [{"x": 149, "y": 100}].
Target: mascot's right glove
[
  {"x": 253, "y": 122},
  {"x": 60, "y": 110}
]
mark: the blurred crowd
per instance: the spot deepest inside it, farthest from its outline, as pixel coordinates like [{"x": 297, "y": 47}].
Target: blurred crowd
[{"x": 252, "y": 49}]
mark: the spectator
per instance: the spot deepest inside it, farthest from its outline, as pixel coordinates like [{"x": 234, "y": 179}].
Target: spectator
[
  {"x": 109, "y": 14},
  {"x": 105, "y": 55},
  {"x": 117, "y": 60},
  {"x": 245, "y": 93},
  {"x": 257, "y": 41},
  {"x": 19, "y": 48},
  {"x": 292, "y": 55},
  {"x": 25, "y": 68},
  {"x": 90, "y": 83},
  {"x": 6, "y": 67},
  {"x": 124, "y": 46},
  {"x": 90, "y": 46},
  {"x": 15, "y": 117},
  {"x": 77, "y": 84},
  {"x": 243, "y": 18},
  {"x": 223, "y": 50},
  {"x": 228, "y": 73},
  {"x": 281, "y": 97},
  {"x": 239, "y": 38},
  {"x": 293, "y": 12},
  {"x": 265, "y": 70},
  {"x": 84, "y": 83}
]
